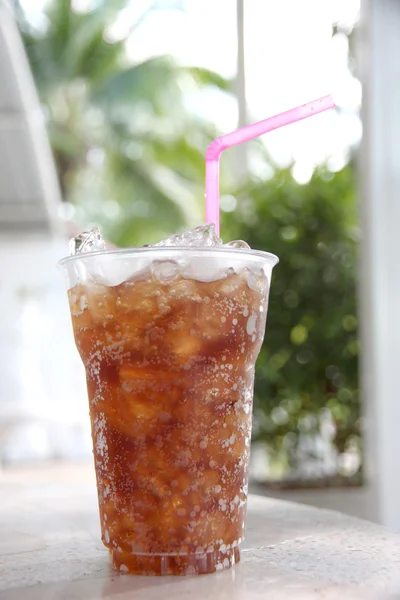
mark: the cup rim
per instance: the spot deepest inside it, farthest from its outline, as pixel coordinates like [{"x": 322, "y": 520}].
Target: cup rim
[{"x": 172, "y": 251}]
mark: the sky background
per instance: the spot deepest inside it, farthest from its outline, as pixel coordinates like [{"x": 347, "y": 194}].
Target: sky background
[{"x": 290, "y": 58}]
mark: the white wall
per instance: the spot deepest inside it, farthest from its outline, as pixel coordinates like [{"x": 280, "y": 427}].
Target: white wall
[
  {"x": 43, "y": 402},
  {"x": 380, "y": 254}
]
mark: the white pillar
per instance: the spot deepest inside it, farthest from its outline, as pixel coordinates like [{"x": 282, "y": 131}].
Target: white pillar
[
  {"x": 241, "y": 150},
  {"x": 41, "y": 376},
  {"x": 29, "y": 190},
  {"x": 380, "y": 254}
]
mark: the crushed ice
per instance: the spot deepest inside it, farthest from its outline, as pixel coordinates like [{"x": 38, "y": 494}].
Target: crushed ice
[
  {"x": 203, "y": 236},
  {"x": 108, "y": 269},
  {"x": 87, "y": 241}
]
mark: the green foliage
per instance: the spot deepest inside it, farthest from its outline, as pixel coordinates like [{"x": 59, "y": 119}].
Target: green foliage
[
  {"x": 129, "y": 153},
  {"x": 309, "y": 358},
  {"x": 130, "y": 157}
]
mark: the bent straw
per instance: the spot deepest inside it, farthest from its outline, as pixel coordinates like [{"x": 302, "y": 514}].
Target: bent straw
[{"x": 245, "y": 134}]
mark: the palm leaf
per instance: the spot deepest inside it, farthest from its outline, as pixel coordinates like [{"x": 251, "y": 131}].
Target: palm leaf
[
  {"x": 204, "y": 76},
  {"x": 95, "y": 102},
  {"x": 62, "y": 22},
  {"x": 141, "y": 82}
]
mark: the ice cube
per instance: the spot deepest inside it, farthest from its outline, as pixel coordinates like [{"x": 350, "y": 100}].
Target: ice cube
[
  {"x": 112, "y": 270},
  {"x": 205, "y": 270},
  {"x": 87, "y": 241},
  {"x": 237, "y": 244},
  {"x": 203, "y": 236},
  {"x": 165, "y": 270}
]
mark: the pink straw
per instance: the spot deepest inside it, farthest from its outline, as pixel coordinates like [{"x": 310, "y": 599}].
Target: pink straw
[{"x": 245, "y": 134}]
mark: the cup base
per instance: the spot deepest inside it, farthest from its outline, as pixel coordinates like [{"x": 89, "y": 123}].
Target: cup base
[{"x": 172, "y": 564}]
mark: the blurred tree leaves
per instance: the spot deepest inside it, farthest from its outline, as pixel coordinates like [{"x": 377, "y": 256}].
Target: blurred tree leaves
[
  {"x": 309, "y": 359},
  {"x": 122, "y": 135},
  {"x": 130, "y": 157}
]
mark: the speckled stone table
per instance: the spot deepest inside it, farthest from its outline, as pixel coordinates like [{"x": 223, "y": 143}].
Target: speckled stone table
[{"x": 50, "y": 548}]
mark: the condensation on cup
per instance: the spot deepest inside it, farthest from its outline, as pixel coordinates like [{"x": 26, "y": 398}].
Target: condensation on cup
[{"x": 169, "y": 336}]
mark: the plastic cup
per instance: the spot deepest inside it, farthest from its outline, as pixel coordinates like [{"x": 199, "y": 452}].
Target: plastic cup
[{"x": 169, "y": 338}]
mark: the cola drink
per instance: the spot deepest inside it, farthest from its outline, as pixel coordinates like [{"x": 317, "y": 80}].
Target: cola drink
[{"x": 169, "y": 339}]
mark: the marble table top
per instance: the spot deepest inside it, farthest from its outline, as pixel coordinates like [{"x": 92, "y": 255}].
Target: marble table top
[{"x": 50, "y": 548}]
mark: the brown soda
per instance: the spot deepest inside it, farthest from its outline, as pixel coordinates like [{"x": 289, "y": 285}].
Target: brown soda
[{"x": 170, "y": 372}]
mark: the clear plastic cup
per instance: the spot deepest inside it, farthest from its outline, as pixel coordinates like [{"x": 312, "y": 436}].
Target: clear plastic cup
[{"x": 169, "y": 338}]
